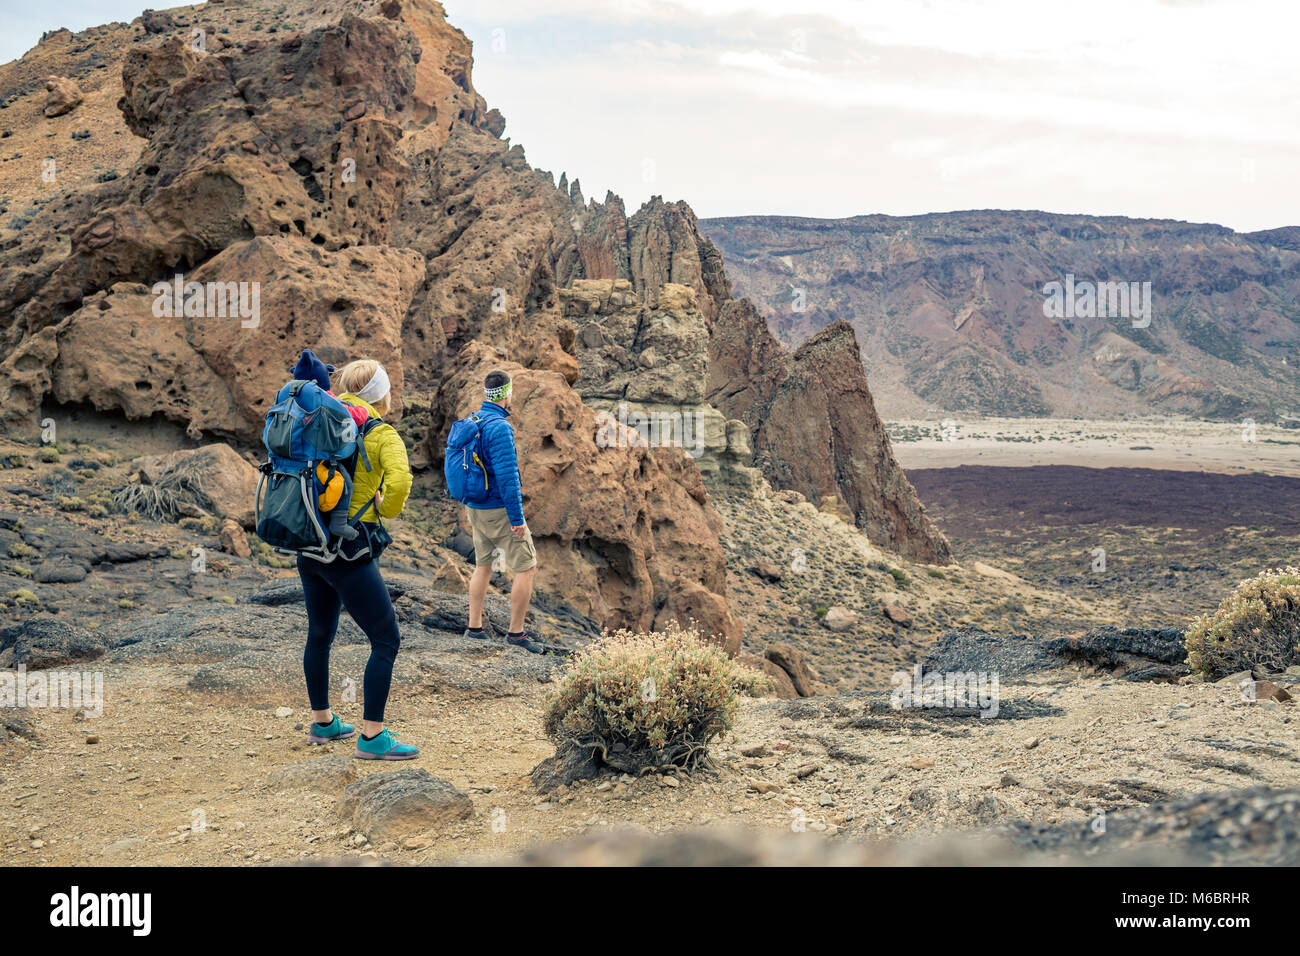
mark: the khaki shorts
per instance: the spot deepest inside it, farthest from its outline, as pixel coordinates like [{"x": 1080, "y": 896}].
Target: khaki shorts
[{"x": 492, "y": 535}]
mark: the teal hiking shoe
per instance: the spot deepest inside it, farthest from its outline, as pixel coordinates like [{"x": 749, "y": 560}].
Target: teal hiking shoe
[
  {"x": 384, "y": 746},
  {"x": 337, "y": 730}
]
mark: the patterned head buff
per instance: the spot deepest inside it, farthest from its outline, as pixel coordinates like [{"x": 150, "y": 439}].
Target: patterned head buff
[
  {"x": 376, "y": 388},
  {"x": 498, "y": 393}
]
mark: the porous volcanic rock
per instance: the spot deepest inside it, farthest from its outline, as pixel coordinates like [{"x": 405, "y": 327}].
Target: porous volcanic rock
[{"x": 625, "y": 532}]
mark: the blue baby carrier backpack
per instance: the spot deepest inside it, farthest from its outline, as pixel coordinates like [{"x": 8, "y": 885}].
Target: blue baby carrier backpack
[{"x": 306, "y": 426}]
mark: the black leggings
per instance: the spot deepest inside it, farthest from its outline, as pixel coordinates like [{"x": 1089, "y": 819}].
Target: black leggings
[{"x": 358, "y": 587}]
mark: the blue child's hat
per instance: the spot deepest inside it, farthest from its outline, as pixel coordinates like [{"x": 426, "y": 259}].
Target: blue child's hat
[{"x": 312, "y": 369}]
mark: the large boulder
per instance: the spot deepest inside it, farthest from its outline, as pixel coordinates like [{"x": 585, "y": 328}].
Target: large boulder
[
  {"x": 63, "y": 96},
  {"x": 220, "y": 375},
  {"x": 795, "y": 663},
  {"x": 782, "y": 685},
  {"x": 214, "y": 477}
]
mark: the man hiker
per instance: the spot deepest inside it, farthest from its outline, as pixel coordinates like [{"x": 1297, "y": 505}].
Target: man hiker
[{"x": 498, "y": 521}]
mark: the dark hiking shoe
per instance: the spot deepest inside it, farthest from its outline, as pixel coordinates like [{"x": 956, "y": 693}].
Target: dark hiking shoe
[
  {"x": 477, "y": 635},
  {"x": 527, "y": 643}
]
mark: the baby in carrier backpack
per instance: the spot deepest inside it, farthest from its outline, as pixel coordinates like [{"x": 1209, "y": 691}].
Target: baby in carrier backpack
[{"x": 334, "y": 480}]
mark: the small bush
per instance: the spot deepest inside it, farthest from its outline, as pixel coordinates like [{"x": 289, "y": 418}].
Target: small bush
[
  {"x": 639, "y": 701},
  {"x": 1011, "y": 605},
  {"x": 157, "y": 504},
  {"x": 899, "y": 576},
  {"x": 1257, "y": 627}
]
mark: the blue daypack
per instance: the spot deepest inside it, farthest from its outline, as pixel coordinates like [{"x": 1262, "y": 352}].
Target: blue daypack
[
  {"x": 305, "y": 426},
  {"x": 464, "y": 465}
]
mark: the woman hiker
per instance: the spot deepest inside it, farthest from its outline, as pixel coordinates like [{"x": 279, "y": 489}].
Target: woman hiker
[{"x": 357, "y": 584}]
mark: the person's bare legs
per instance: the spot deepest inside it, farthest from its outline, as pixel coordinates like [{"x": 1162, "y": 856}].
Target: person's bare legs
[
  {"x": 520, "y": 593},
  {"x": 478, "y": 585}
]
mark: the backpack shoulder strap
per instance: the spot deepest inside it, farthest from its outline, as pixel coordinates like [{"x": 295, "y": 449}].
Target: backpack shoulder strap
[
  {"x": 370, "y": 423},
  {"x": 371, "y": 504}
]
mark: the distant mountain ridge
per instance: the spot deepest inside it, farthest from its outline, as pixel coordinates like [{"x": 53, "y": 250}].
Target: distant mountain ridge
[{"x": 949, "y": 309}]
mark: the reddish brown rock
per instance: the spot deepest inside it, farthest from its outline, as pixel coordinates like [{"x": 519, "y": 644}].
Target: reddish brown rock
[
  {"x": 782, "y": 686},
  {"x": 898, "y": 615},
  {"x": 624, "y": 534},
  {"x": 795, "y": 663},
  {"x": 64, "y": 96},
  {"x": 218, "y": 375},
  {"x": 215, "y": 477},
  {"x": 233, "y": 539},
  {"x": 815, "y": 427}
]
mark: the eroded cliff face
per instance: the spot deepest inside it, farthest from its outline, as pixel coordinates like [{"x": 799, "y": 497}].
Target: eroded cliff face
[
  {"x": 813, "y": 425},
  {"x": 339, "y": 184},
  {"x": 950, "y": 309},
  {"x": 815, "y": 428}
]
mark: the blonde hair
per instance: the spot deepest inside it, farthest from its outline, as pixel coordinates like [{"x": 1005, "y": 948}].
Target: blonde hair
[{"x": 355, "y": 375}]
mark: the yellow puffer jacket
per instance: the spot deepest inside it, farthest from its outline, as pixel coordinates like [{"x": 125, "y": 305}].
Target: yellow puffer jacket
[{"x": 388, "y": 463}]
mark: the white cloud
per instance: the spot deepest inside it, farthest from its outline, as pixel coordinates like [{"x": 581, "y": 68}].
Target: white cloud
[
  {"x": 828, "y": 107},
  {"x": 840, "y": 107}
]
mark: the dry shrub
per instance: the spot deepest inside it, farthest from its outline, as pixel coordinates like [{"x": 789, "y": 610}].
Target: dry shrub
[
  {"x": 638, "y": 701},
  {"x": 155, "y": 503},
  {"x": 181, "y": 484},
  {"x": 1257, "y": 627}
]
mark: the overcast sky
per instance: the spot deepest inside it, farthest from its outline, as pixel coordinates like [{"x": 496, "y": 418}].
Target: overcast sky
[{"x": 1185, "y": 109}]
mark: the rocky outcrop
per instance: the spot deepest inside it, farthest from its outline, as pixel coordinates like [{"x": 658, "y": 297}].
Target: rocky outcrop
[
  {"x": 812, "y": 422},
  {"x": 243, "y": 189},
  {"x": 625, "y": 532},
  {"x": 45, "y": 642},
  {"x": 815, "y": 427},
  {"x": 1133, "y": 653},
  {"x": 339, "y": 184},
  {"x": 646, "y": 370}
]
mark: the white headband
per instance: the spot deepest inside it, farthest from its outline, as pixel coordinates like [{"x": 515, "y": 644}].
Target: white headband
[{"x": 376, "y": 388}]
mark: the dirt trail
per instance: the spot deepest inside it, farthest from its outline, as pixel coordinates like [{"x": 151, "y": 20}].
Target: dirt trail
[{"x": 1065, "y": 750}]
